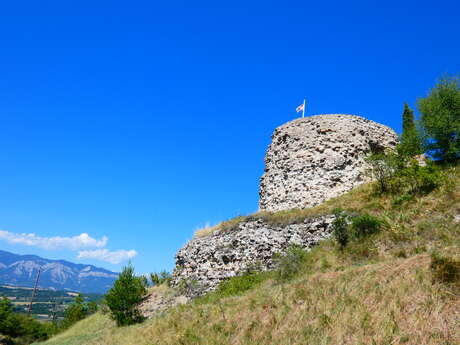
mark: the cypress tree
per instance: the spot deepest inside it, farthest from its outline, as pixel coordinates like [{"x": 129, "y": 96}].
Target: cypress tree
[{"x": 410, "y": 138}]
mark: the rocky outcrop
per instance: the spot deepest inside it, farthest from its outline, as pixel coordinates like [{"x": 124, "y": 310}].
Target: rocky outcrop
[
  {"x": 158, "y": 300},
  {"x": 313, "y": 159},
  {"x": 309, "y": 161},
  {"x": 205, "y": 261}
]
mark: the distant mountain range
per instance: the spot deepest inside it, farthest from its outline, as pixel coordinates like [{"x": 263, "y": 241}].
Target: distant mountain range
[{"x": 21, "y": 270}]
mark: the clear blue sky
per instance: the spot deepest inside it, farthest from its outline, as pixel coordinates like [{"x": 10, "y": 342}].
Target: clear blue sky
[{"x": 142, "y": 120}]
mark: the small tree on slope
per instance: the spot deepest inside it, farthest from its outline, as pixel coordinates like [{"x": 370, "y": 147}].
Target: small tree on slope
[
  {"x": 125, "y": 295},
  {"x": 75, "y": 312},
  {"x": 410, "y": 139}
]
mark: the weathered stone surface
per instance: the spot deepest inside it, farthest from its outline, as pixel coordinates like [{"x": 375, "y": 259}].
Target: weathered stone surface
[
  {"x": 313, "y": 159},
  {"x": 208, "y": 260},
  {"x": 159, "y": 300},
  {"x": 309, "y": 161}
]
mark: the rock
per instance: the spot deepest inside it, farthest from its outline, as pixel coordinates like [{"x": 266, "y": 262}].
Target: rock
[
  {"x": 421, "y": 160},
  {"x": 205, "y": 261},
  {"x": 457, "y": 218},
  {"x": 158, "y": 300},
  {"x": 313, "y": 159}
]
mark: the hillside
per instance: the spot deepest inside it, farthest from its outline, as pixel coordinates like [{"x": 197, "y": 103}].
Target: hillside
[
  {"x": 384, "y": 289},
  {"x": 21, "y": 270}
]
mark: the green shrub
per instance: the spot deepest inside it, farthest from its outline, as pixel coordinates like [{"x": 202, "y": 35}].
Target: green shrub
[
  {"x": 291, "y": 263},
  {"x": 348, "y": 229},
  {"x": 239, "y": 284},
  {"x": 419, "y": 180},
  {"x": 403, "y": 176},
  {"x": 445, "y": 269},
  {"x": 383, "y": 167},
  {"x": 125, "y": 295},
  {"x": 365, "y": 225},
  {"x": 340, "y": 229},
  {"x": 77, "y": 311}
]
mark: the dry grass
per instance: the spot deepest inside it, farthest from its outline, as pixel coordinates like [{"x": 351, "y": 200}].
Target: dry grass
[
  {"x": 391, "y": 302},
  {"x": 360, "y": 199},
  {"x": 378, "y": 291},
  {"x": 222, "y": 226}
]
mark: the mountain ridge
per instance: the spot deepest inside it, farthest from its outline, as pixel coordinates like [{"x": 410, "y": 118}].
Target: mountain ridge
[{"x": 21, "y": 270}]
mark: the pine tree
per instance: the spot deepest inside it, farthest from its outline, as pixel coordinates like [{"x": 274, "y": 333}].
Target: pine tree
[
  {"x": 410, "y": 139},
  {"x": 125, "y": 295}
]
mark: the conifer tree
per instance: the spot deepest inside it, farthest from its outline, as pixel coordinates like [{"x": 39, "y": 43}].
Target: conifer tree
[
  {"x": 410, "y": 139},
  {"x": 125, "y": 295}
]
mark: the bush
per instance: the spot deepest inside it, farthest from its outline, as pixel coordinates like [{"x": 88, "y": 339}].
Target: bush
[
  {"x": 239, "y": 284},
  {"x": 75, "y": 312},
  {"x": 353, "y": 228},
  {"x": 419, "y": 180},
  {"x": 125, "y": 295},
  {"x": 445, "y": 270},
  {"x": 441, "y": 120},
  {"x": 383, "y": 168},
  {"x": 160, "y": 278},
  {"x": 340, "y": 229},
  {"x": 364, "y": 226},
  {"x": 401, "y": 175},
  {"x": 291, "y": 263}
]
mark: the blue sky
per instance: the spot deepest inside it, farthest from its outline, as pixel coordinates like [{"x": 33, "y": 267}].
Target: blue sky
[{"x": 133, "y": 123}]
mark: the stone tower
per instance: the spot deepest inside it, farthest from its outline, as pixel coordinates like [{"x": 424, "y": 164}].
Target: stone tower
[{"x": 317, "y": 158}]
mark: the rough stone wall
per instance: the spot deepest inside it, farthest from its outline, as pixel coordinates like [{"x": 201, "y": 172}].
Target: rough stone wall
[
  {"x": 206, "y": 261},
  {"x": 313, "y": 159}
]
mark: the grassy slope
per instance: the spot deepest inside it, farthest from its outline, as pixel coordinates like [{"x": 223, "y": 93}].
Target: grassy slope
[{"x": 378, "y": 291}]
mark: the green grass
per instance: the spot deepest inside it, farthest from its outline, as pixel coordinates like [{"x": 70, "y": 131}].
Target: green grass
[{"x": 385, "y": 288}]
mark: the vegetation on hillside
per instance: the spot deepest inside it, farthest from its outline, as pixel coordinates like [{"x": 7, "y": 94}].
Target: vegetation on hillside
[
  {"x": 17, "y": 328},
  {"x": 389, "y": 275},
  {"x": 21, "y": 329},
  {"x": 440, "y": 120},
  {"x": 396, "y": 285},
  {"x": 125, "y": 295}
]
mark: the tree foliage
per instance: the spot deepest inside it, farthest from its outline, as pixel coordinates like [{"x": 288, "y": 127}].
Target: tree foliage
[
  {"x": 77, "y": 311},
  {"x": 160, "y": 278},
  {"x": 20, "y": 328},
  {"x": 441, "y": 120},
  {"x": 125, "y": 295},
  {"x": 399, "y": 174},
  {"x": 411, "y": 143}
]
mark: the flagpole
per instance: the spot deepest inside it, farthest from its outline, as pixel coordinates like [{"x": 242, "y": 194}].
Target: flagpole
[{"x": 303, "y": 110}]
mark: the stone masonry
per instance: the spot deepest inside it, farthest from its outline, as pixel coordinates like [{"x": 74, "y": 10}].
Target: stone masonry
[
  {"x": 206, "y": 261},
  {"x": 316, "y": 158}
]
